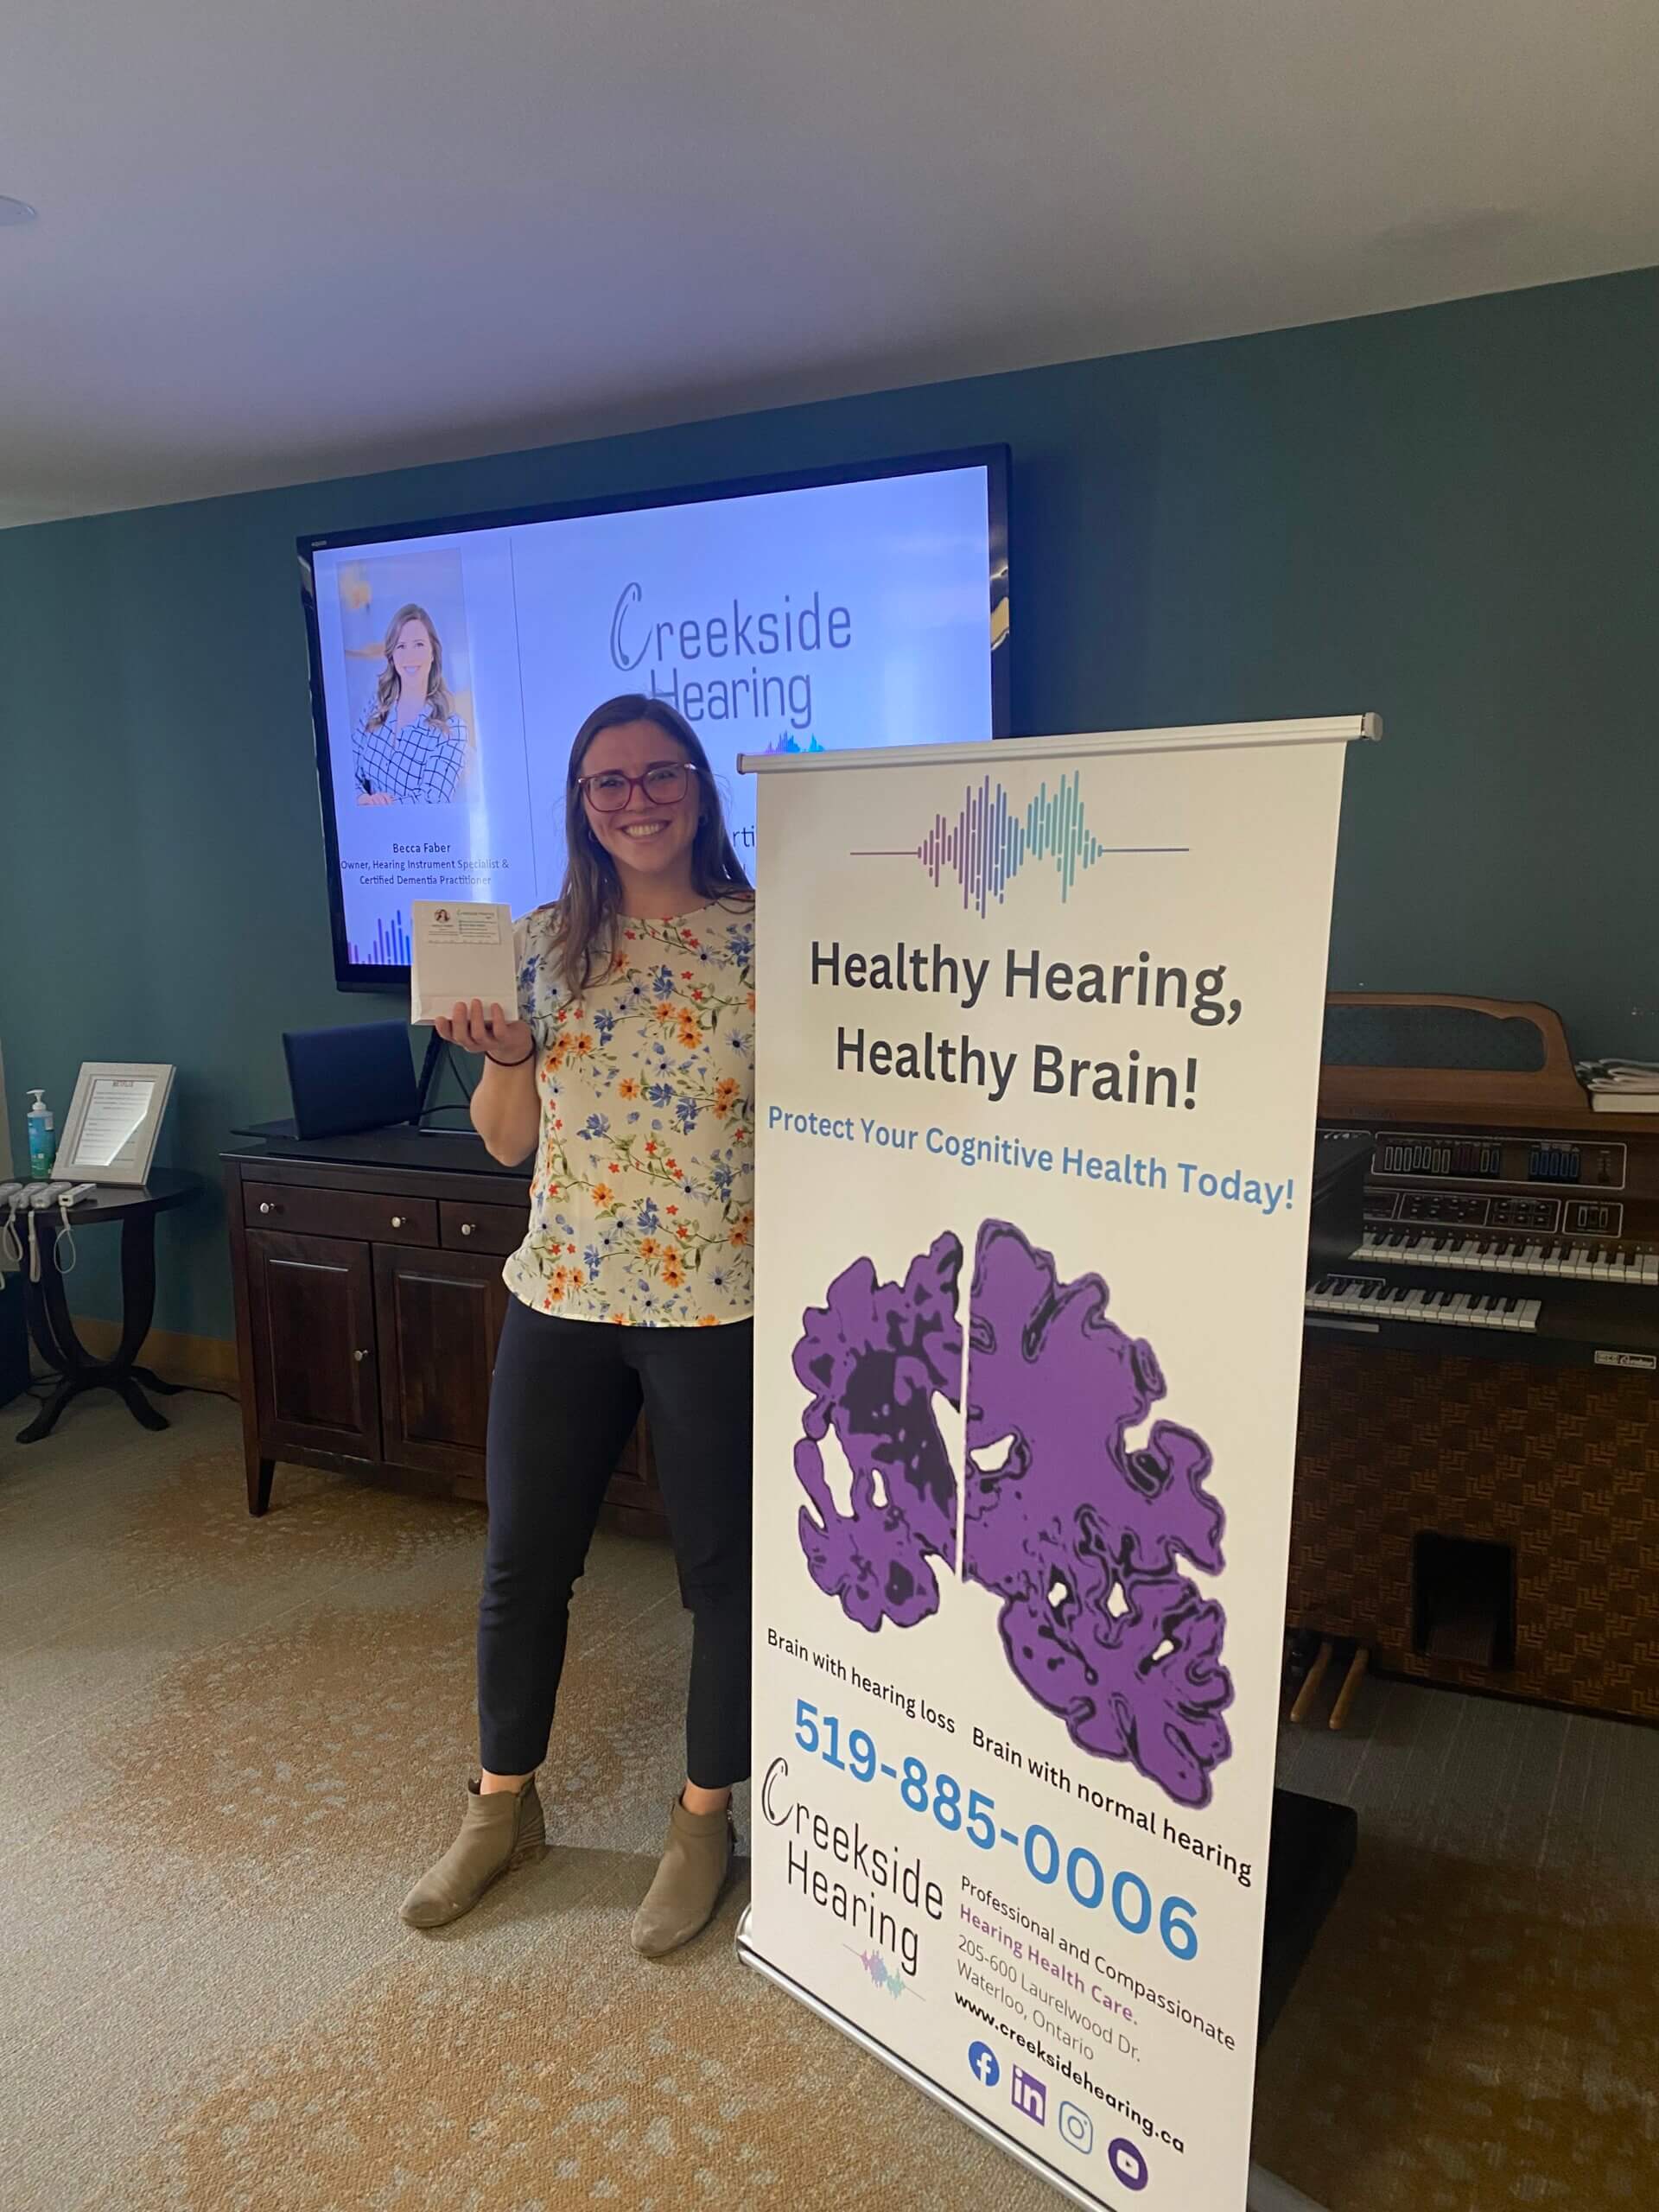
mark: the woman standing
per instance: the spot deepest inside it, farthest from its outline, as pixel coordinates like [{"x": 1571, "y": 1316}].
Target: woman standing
[
  {"x": 411, "y": 744},
  {"x": 629, "y": 1071}
]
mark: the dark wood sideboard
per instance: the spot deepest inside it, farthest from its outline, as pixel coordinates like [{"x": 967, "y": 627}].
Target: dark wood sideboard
[{"x": 367, "y": 1275}]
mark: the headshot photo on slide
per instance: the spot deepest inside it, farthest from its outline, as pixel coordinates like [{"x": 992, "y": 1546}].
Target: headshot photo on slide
[{"x": 411, "y": 742}]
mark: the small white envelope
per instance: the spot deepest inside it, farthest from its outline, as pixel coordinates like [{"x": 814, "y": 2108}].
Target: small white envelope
[{"x": 459, "y": 949}]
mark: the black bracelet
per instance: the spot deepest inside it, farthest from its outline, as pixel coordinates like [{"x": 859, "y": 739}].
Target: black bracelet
[{"x": 518, "y": 1063}]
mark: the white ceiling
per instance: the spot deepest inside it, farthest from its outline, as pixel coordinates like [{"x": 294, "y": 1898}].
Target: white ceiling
[{"x": 282, "y": 242}]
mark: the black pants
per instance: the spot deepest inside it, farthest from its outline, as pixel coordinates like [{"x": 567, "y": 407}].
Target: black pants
[{"x": 564, "y": 1399}]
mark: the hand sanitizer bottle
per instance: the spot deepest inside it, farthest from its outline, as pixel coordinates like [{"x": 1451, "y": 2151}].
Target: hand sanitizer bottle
[{"x": 41, "y": 1147}]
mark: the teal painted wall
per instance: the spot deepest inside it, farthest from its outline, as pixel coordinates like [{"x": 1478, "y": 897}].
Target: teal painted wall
[{"x": 1445, "y": 516}]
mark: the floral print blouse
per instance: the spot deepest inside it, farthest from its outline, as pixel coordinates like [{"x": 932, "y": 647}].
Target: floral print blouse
[{"x": 642, "y": 1202}]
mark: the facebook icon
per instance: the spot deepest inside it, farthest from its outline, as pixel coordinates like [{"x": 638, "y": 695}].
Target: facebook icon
[
  {"x": 984, "y": 2060},
  {"x": 1030, "y": 2095}
]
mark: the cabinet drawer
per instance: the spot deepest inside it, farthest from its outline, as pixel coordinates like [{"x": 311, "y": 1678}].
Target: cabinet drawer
[
  {"x": 365, "y": 1214},
  {"x": 481, "y": 1228}
]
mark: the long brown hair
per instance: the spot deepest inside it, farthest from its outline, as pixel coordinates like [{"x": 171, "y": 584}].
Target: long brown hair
[
  {"x": 585, "y": 920},
  {"x": 387, "y": 689}
]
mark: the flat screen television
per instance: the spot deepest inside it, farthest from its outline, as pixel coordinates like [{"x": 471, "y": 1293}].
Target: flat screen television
[{"x": 851, "y": 606}]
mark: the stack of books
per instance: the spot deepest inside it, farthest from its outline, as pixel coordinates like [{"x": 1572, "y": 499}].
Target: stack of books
[{"x": 1621, "y": 1086}]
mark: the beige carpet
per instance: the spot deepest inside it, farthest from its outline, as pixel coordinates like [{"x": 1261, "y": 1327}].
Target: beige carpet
[
  {"x": 227, "y": 1745},
  {"x": 1478, "y": 2028}
]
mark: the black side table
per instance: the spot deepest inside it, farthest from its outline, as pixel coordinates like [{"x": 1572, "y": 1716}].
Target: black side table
[{"x": 49, "y": 1321}]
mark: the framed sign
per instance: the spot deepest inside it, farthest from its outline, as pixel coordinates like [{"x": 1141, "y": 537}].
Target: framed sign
[{"x": 114, "y": 1120}]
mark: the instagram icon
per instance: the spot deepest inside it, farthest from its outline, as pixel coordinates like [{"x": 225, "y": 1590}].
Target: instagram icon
[{"x": 1075, "y": 2127}]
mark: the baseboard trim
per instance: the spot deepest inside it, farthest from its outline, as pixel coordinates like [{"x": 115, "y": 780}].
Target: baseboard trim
[{"x": 201, "y": 1363}]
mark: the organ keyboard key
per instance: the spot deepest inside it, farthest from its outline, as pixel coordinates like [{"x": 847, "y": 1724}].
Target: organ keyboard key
[
  {"x": 1631, "y": 1266},
  {"x": 1371, "y": 1298}
]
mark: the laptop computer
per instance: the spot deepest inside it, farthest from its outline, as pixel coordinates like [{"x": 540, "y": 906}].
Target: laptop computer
[{"x": 356, "y": 1076}]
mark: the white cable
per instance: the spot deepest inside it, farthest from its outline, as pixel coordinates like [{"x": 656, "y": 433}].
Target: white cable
[{"x": 64, "y": 1239}]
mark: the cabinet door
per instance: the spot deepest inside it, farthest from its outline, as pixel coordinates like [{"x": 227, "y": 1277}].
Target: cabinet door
[
  {"x": 439, "y": 1315},
  {"x": 312, "y": 1308}
]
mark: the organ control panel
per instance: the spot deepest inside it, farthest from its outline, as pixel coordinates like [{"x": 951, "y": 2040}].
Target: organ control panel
[{"x": 1541, "y": 1242}]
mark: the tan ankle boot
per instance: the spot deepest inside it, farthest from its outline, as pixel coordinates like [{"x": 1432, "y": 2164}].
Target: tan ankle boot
[
  {"x": 690, "y": 1877},
  {"x": 499, "y": 1832}
]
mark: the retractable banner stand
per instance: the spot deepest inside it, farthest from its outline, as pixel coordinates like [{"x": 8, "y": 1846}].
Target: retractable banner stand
[{"x": 1038, "y": 1053}]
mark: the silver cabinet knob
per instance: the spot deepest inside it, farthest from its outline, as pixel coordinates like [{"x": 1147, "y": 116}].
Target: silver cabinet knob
[
  {"x": 466, "y": 1227},
  {"x": 397, "y": 1222},
  {"x": 359, "y": 1356},
  {"x": 265, "y": 1206}
]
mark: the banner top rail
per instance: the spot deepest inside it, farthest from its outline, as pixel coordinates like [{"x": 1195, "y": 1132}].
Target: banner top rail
[{"x": 1325, "y": 729}]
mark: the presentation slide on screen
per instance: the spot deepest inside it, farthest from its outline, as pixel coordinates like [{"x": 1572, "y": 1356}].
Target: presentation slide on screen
[{"x": 456, "y": 668}]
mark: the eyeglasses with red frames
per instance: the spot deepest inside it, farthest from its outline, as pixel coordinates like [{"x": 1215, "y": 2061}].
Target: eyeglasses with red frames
[{"x": 665, "y": 784}]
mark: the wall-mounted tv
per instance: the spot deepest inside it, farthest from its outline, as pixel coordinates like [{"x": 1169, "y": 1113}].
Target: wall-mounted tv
[{"x": 452, "y": 662}]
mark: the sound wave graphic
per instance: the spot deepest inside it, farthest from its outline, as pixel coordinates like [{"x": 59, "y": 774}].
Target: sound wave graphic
[
  {"x": 883, "y": 1975},
  {"x": 390, "y": 945},
  {"x": 991, "y": 841}
]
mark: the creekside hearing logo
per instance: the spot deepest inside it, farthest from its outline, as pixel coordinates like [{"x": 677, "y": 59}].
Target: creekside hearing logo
[
  {"x": 736, "y": 660},
  {"x": 991, "y": 838}
]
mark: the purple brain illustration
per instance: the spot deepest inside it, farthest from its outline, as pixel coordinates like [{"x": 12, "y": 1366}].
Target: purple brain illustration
[
  {"x": 1079, "y": 1530},
  {"x": 874, "y": 1358}
]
